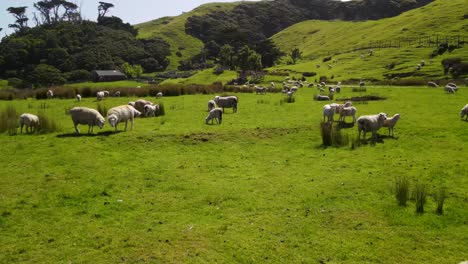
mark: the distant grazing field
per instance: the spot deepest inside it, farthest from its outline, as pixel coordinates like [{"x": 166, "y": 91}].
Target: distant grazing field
[{"x": 260, "y": 188}]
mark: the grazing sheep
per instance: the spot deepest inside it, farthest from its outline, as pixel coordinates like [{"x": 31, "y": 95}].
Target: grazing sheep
[
  {"x": 362, "y": 83},
  {"x": 117, "y": 94},
  {"x": 273, "y": 85},
  {"x": 432, "y": 84},
  {"x": 310, "y": 85},
  {"x": 338, "y": 89},
  {"x": 260, "y": 90},
  {"x": 216, "y": 113},
  {"x": 140, "y": 104},
  {"x": 159, "y": 95},
  {"x": 423, "y": 63},
  {"x": 454, "y": 86},
  {"x": 418, "y": 67},
  {"x": 100, "y": 96},
  {"x": 211, "y": 105},
  {"x": 464, "y": 112},
  {"x": 294, "y": 89},
  {"x": 50, "y": 94},
  {"x": 78, "y": 98},
  {"x": 348, "y": 111},
  {"x": 30, "y": 121},
  {"x": 449, "y": 89},
  {"x": 328, "y": 112},
  {"x": 390, "y": 123},
  {"x": 370, "y": 123},
  {"x": 151, "y": 110},
  {"x": 322, "y": 98},
  {"x": 122, "y": 113},
  {"x": 86, "y": 116},
  {"x": 106, "y": 93},
  {"x": 227, "y": 102}
]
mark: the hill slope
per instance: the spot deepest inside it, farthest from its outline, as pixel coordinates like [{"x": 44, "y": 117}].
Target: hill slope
[{"x": 347, "y": 41}]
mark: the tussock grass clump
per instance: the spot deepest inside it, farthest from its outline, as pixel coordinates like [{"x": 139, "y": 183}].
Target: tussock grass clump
[
  {"x": 359, "y": 89},
  {"x": 161, "y": 111},
  {"x": 332, "y": 135},
  {"x": 102, "y": 109},
  {"x": 287, "y": 99},
  {"x": 402, "y": 190},
  {"x": 420, "y": 197},
  {"x": 263, "y": 101},
  {"x": 439, "y": 198},
  {"x": 47, "y": 125},
  {"x": 8, "y": 120}
]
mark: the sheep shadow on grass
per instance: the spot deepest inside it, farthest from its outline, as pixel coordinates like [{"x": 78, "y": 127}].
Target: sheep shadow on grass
[
  {"x": 99, "y": 134},
  {"x": 342, "y": 125}
]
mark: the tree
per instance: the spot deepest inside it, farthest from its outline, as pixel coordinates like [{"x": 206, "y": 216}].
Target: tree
[
  {"x": 46, "y": 75},
  {"x": 51, "y": 11},
  {"x": 132, "y": 71},
  {"x": 295, "y": 54},
  {"x": 103, "y": 7},
  {"x": 226, "y": 55},
  {"x": 249, "y": 60},
  {"x": 269, "y": 52},
  {"x": 21, "y": 22}
]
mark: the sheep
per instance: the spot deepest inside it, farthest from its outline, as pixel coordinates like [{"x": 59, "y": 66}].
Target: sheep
[
  {"x": 260, "y": 90},
  {"x": 328, "y": 112},
  {"x": 50, "y": 94},
  {"x": 211, "y": 105},
  {"x": 322, "y": 98},
  {"x": 432, "y": 84},
  {"x": 272, "y": 85},
  {"x": 423, "y": 63},
  {"x": 100, "y": 96},
  {"x": 117, "y": 94},
  {"x": 151, "y": 110},
  {"x": 390, "y": 123},
  {"x": 106, "y": 93},
  {"x": 78, "y": 98},
  {"x": 348, "y": 111},
  {"x": 216, "y": 113},
  {"x": 159, "y": 95},
  {"x": 464, "y": 112},
  {"x": 294, "y": 89},
  {"x": 454, "y": 86},
  {"x": 86, "y": 116},
  {"x": 122, "y": 113},
  {"x": 449, "y": 89},
  {"x": 30, "y": 121},
  {"x": 418, "y": 67},
  {"x": 140, "y": 104},
  {"x": 370, "y": 123},
  {"x": 338, "y": 89},
  {"x": 362, "y": 83},
  {"x": 227, "y": 102}
]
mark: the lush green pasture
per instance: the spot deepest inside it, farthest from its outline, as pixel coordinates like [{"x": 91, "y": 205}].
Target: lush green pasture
[
  {"x": 258, "y": 188},
  {"x": 124, "y": 83}
]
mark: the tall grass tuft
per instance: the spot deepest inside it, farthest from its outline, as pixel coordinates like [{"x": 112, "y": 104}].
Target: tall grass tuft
[
  {"x": 8, "y": 120},
  {"x": 47, "y": 125},
  {"x": 102, "y": 109},
  {"x": 326, "y": 133},
  {"x": 359, "y": 89},
  {"x": 287, "y": 99},
  {"x": 402, "y": 190},
  {"x": 332, "y": 135},
  {"x": 439, "y": 198},
  {"x": 420, "y": 197},
  {"x": 161, "y": 111}
]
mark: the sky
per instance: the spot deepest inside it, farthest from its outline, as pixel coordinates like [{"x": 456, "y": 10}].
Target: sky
[{"x": 130, "y": 11}]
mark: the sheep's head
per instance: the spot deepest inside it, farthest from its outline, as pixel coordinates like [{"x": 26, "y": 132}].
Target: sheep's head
[
  {"x": 382, "y": 117},
  {"x": 112, "y": 120},
  {"x": 216, "y": 99},
  {"x": 100, "y": 121},
  {"x": 396, "y": 116},
  {"x": 136, "y": 113}
]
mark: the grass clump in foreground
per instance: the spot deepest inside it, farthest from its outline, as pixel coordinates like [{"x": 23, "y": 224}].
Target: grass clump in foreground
[
  {"x": 439, "y": 198},
  {"x": 420, "y": 194},
  {"x": 8, "y": 120},
  {"x": 402, "y": 190},
  {"x": 332, "y": 135}
]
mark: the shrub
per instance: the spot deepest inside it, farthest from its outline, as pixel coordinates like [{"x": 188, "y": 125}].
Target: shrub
[
  {"x": 218, "y": 70},
  {"x": 8, "y": 120},
  {"x": 15, "y": 82},
  {"x": 402, "y": 190},
  {"x": 420, "y": 197},
  {"x": 439, "y": 198}
]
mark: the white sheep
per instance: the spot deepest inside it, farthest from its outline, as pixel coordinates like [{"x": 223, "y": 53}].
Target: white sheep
[
  {"x": 30, "y": 121},
  {"x": 370, "y": 123},
  {"x": 449, "y": 89},
  {"x": 464, "y": 112},
  {"x": 159, "y": 95},
  {"x": 272, "y": 85},
  {"x": 50, "y": 94},
  {"x": 78, "y": 98},
  {"x": 216, "y": 113},
  {"x": 86, "y": 116},
  {"x": 100, "y": 96},
  {"x": 362, "y": 83},
  {"x": 390, "y": 123},
  {"x": 432, "y": 84},
  {"x": 328, "y": 112},
  {"x": 151, "y": 110},
  {"x": 106, "y": 93},
  {"x": 260, "y": 90},
  {"x": 140, "y": 104},
  {"x": 211, "y": 105},
  {"x": 117, "y": 94},
  {"x": 322, "y": 98},
  {"x": 348, "y": 111},
  {"x": 122, "y": 113},
  {"x": 227, "y": 102}
]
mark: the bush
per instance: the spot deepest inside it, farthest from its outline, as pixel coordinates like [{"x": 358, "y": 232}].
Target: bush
[
  {"x": 402, "y": 190},
  {"x": 218, "y": 70},
  {"x": 420, "y": 197},
  {"x": 8, "y": 120},
  {"x": 15, "y": 82}
]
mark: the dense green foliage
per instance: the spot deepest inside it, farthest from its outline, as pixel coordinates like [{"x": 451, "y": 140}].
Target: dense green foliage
[{"x": 259, "y": 188}]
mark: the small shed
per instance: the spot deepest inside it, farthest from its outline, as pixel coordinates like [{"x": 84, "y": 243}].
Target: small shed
[{"x": 108, "y": 76}]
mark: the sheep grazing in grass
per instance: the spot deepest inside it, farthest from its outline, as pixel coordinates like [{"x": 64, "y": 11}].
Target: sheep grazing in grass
[
  {"x": 348, "y": 111},
  {"x": 78, "y": 98},
  {"x": 272, "y": 84},
  {"x": 151, "y": 110},
  {"x": 122, "y": 113},
  {"x": 449, "y": 89},
  {"x": 100, "y": 96},
  {"x": 370, "y": 123},
  {"x": 390, "y": 123},
  {"x": 260, "y": 90},
  {"x": 217, "y": 114},
  {"x": 211, "y": 105},
  {"x": 86, "y": 116},
  {"x": 362, "y": 83},
  {"x": 464, "y": 112},
  {"x": 432, "y": 84},
  {"x": 30, "y": 121},
  {"x": 227, "y": 102},
  {"x": 50, "y": 94},
  {"x": 159, "y": 95},
  {"x": 117, "y": 94},
  {"x": 322, "y": 98},
  {"x": 140, "y": 104},
  {"x": 106, "y": 93},
  {"x": 328, "y": 112}
]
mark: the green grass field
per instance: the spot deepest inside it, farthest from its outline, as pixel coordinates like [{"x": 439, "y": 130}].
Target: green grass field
[
  {"x": 258, "y": 188},
  {"x": 124, "y": 84}
]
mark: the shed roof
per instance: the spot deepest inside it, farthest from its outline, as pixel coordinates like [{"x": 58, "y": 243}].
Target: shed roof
[{"x": 109, "y": 73}]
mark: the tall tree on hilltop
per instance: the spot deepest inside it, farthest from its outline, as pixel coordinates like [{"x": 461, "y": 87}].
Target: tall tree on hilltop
[
  {"x": 21, "y": 19},
  {"x": 51, "y": 11},
  {"x": 103, "y": 7}
]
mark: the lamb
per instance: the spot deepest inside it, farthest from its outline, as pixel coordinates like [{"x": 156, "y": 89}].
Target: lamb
[
  {"x": 86, "y": 116},
  {"x": 348, "y": 111},
  {"x": 122, "y": 113},
  {"x": 227, "y": 102},
  {"x": 100, "y": 96},
  {"x": 211, "y": 105},
  {"x": 151, "y": 110},
  {"x": 78, "y": 98},
  {"x": 432, "y": 84},
  {"x": 328, "y": 112},
  {"x": 390, "y": 123},
  {"x": 159, "y": 95},
  {"x": 464, "y": 112},
  {"x": 30, "y": 121},
  {"x": 50, "y": 94},
  {"x": 140, "y": 104},
  {"x": 370, "y": 123},
  {"x": 216, "y": 113},
  {"x": 322, "y": 98}
]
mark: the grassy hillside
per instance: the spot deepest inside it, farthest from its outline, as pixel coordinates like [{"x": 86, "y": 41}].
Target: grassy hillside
[
  {"x": 318, "y": 39},
  {"x": 258, "y": 188},
  {"x": 172, "y": 30}
]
